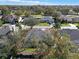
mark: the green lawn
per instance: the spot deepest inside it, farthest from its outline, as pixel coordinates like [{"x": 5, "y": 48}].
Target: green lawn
[
  {"x": 27, "y": 50},
  {"x": 65, "y": 24},
  {"x": 1, "y": 23},
  {"x": 77, "y": 24},
  {"x": 43, "y": 24},
  {"x": 74, "y": 56}
]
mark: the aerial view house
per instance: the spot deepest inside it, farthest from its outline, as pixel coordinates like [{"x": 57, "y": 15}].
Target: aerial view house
[
  {"x": 48, "y": 19},
  {"x": 29, "y": 49},
  {"x": 10, "y": 19},
  {"x": 39, "y": 29}
]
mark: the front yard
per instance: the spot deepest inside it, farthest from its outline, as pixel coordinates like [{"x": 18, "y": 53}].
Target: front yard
[
  {"x": 76, "y": 24},
  {"x": 43, "y": 24},
  {"x": 64, "y": 24},
  {"x": 29, "y": 50}
]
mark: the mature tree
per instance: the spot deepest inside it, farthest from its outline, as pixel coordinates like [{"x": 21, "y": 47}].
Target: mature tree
[
  {"x": 56, "y": 15},
  {"x": 64, "y": 10},
  {"x": 61, "y": 48},
  {"x": 6, "y": 12},
  {"x": 71, "y": 12},
  {"x": 57, "y": 23},
  {"x": 4, "y": 47},
  {"x": 76, "y": 10},
  {"x": 27, "y": 13},
  {"x": 48, "y": 11},
  {"x": 30, "y": 21},
  {"x": 19, "y": 12},
  {"x": 11, "y": 43},
  {"x": 15, "y": 42}
]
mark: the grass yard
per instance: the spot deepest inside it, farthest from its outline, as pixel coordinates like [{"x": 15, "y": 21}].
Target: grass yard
[
  {"x": 77, "y": 24},
  {"x": 74, "y": 56},
  {"x": 43, "y": 24},
  {"x": 72, "y": 16},
  {"x": 65, "y": 24},
  {"x": 1, "y": 23},
  {"x": 27, "y": 50}
]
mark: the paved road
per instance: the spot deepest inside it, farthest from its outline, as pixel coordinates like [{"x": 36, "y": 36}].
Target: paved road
[
  {"x": 42, "y": 27},
  {"x": 72, "y": 26},
  {"x": 39, "y": 27}
]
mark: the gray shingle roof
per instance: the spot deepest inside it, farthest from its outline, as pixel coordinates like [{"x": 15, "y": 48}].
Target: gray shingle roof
[
  {"x": 47, "y": 18},
  {"x": 4, "y": 30},
  {"x": 74, "y": 34},
  {"x": 37, "y": 35}
]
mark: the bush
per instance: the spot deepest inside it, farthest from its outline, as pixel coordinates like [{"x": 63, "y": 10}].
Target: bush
[{"x": 1, "y": 22}]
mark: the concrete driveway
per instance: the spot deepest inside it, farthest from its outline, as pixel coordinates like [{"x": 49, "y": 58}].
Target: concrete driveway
[{"x": 72, "y": 26}]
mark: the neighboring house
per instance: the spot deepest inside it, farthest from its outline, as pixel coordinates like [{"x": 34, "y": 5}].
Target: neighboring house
[
  {"x": 4, "y": 30},
  {"x": 74, "y": 34},
  {"x": 70, "y": 18},
  {"x": 75, "y": 19},
  {"x": 47, "y": 19},
  {"x": 10, "y": 19},
  {"x": 37, "y": 33},
  {"x": 65, "y": 18}
]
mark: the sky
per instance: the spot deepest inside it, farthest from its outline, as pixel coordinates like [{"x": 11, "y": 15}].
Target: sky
[{"x": 39, "y": 2}]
